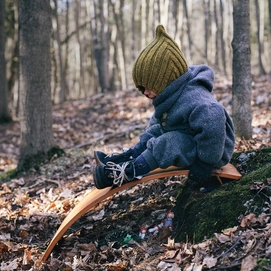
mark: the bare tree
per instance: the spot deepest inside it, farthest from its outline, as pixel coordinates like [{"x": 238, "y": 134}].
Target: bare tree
[
  {"x": 269, "y": 12},
  {"x": 259, "y": 37},
  {"x": 34, "y": 82},
  {"x": 4, "y": 111},
  {"x": 221, "y": 35},
  {"x": 99, "y": 32},
  {"x": 188, "y": 30},
  {"x": 79, "y": 37},
  {"x": 11, "y": 25},
  {"x": 63, "y": 84},
  {"x": 207, "y": 23},
  {"x": 96, "y": 42},
  {"x": 119, "y": 43},
  {"x": 133, "y": 29},
  {"x": 241, "y": 70},
  {"x": 216, "y": 36}
]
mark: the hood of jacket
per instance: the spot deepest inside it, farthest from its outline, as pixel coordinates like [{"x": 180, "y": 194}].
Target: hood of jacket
[{"x": 197, "y": 75}]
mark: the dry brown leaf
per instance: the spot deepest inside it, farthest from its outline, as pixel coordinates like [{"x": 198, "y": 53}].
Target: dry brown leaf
[
  {"x": 118, "y": 266},
  {"x": 90, "y": 247},
  {"x": 222, "y": 238},
  {"x": 249, "y": 263},
  {"x": 209, "y": 262},
  {"x": 246, "y": 221}
]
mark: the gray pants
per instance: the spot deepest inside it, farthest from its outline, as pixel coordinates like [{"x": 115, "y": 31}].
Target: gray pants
[{"x": 163, "y": 151}]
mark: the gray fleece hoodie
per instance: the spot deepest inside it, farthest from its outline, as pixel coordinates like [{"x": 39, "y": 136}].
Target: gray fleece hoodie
[{"x": 189, "y": 127}]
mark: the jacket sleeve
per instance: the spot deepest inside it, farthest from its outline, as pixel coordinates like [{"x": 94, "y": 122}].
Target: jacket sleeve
[
  {"x": 152, "y": 130},
  {"x": 208, "y": 122}
]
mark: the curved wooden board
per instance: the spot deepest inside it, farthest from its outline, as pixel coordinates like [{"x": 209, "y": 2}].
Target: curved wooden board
[{"x": 96, "y": 196}]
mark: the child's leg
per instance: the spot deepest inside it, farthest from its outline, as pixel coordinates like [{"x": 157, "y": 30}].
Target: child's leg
[{"x": 170, "y": 149}]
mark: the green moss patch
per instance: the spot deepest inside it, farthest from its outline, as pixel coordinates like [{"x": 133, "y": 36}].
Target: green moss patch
[{"x": 200, "y": 215}]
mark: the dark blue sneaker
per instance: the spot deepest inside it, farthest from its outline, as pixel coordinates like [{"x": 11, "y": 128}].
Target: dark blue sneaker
[
  {"x": 117, "y": 158},
  {"x": 113, "y": 174}
]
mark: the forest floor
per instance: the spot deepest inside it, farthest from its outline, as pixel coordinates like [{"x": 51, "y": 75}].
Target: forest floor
[{"x": 33, "y": 205}]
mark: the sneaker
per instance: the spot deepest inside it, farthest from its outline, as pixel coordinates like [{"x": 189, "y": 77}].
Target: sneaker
[
  {"x": 113, "y": 174},
  {"x": 117, "y": 158}
]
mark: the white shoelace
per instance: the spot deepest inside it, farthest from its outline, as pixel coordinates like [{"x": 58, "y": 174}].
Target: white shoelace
[
  {"x": 112, "y": 154},
  {"x": 118, "y": 172},
  {"x": 116, "y": 153}
]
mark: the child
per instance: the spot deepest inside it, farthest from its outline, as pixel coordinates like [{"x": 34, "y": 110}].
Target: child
[{"x": 189, "y": 128}]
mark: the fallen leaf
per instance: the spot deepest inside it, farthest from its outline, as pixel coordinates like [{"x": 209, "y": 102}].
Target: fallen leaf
[
  {"x": 249, "y": 263},
  {"x": 209, "y": 262}
]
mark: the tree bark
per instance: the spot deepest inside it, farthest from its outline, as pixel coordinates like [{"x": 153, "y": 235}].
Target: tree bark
[
  {"x": 206, "y": 27},
  {"x": 99, "y": 31},
  {"x": 269, "y": 12},
  {"x": 36, "y": 136},
  {"x": 259, "y": 37},
  {"x": 62, "y": 96},
  {"x": 77, "y": 12},
  {"x": 188, "y": 31},
  {"x": 217, "y": 47},
  {"x": 221, "y": 34},
  {"x": 241, "y": 69},
  {"x": 4, "y": 111}
]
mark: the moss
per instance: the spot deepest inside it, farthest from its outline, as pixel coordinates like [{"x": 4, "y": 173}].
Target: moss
[
  {"x": 211, "y": 212},
  {"x": 263, "y": 264},
  {"x": 250, "y": 161},
  {"x": 36, "y": 160},
  {"x": 8, "y": 175},
  {"x": 200, "y": 215}
]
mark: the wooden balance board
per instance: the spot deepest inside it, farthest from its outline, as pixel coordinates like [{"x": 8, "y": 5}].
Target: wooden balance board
[{"x": 96, "y": 196}]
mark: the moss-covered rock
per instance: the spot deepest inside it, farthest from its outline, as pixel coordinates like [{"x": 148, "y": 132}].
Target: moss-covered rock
[{"x": 200, "y": 215}]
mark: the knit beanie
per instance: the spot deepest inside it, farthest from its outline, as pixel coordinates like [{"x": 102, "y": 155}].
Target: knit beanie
[{"x": 159, "y": 64}]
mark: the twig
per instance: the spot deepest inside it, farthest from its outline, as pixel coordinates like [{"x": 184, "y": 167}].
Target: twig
[
  {"x": 223, "y": 267},
  {"x": 232, "y": 247}
]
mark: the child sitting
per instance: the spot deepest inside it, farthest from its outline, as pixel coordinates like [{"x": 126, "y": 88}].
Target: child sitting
[{"x": 189, "y": 128}]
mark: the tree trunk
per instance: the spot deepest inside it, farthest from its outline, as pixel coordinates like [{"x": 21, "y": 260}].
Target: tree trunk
[
  {"x": 133, "y": 25},
  {"x": 188, "y": 31},
  {"x": 175, "y": 14},
  {"x": 207, "y": 27},
  {"x": 269, "y": 12},
  {"x": 99, "y": 31},
  {"x": 63, "y": 84},
  {"x": 82, "y": 92},
  {"x": 259, "y": 37},
  {"x": 120, "y": 42},
  {"x": 222, "y": 42},
  {"x": 241, "y": 70},
  {"x": 13, "y": 72},
  {"x": 216, "y": 37},
  {"x": 143, "y": 24},
  {"x": 4, "y": 111},
  {"x": 35, "y": 80}
]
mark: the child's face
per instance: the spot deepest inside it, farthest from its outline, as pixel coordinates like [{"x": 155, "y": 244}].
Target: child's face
[{"x": 150, "y": 94}]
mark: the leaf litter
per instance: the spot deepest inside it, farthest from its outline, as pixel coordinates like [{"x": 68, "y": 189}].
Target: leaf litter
[{"x": 33, "y": 205}]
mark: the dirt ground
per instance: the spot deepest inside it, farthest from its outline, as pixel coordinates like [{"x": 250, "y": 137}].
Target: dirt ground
[{"x": 33, "y": 205}]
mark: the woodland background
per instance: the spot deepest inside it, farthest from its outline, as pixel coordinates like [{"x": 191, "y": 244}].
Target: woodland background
[
  {"x": 92, "y": 48},
  {"x": 107, "y": 35}
]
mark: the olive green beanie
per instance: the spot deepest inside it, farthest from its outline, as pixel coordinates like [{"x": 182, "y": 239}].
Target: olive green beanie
[{"x": 159, "y": 64}]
